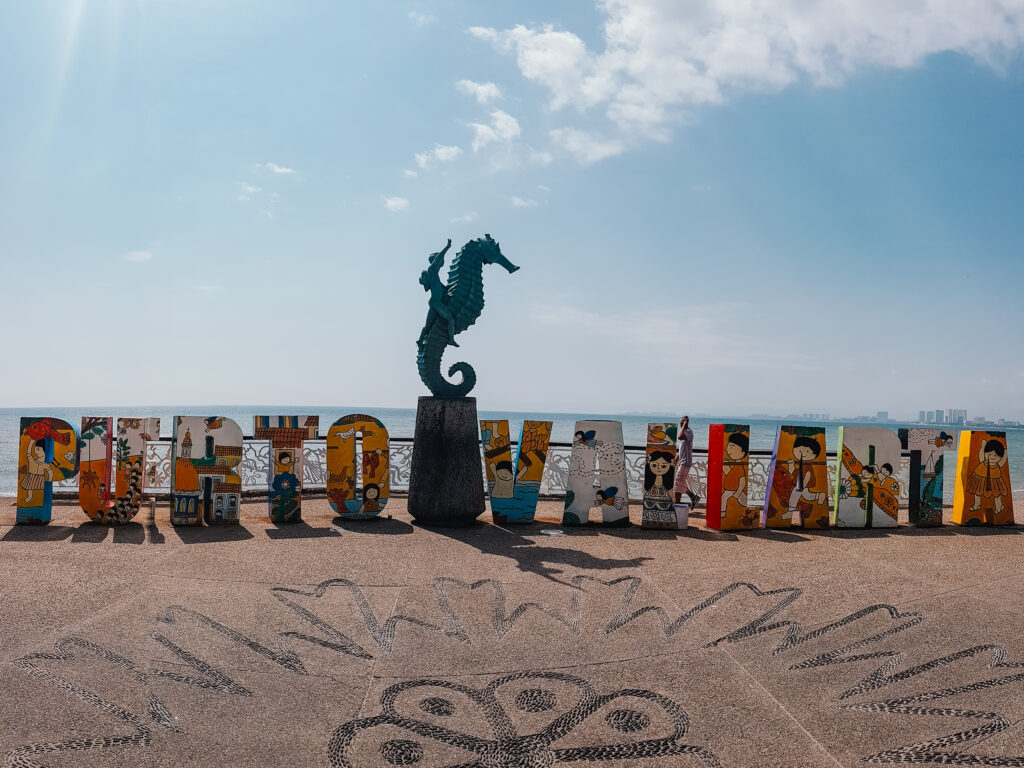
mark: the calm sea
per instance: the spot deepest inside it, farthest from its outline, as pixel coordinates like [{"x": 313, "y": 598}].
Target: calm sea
[{"x": 401, "y": 421}]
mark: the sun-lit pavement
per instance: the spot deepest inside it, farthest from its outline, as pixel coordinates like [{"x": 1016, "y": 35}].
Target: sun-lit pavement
[{"x": 384, "y": 643}]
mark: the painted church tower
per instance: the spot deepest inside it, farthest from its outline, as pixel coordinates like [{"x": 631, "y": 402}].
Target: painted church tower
[{"x": 185, "y": 486}]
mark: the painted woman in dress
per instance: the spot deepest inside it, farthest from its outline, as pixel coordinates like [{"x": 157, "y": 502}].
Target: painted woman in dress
[
  {"x": 988, "y": 481},
  {"x": 659, "y": 466}
]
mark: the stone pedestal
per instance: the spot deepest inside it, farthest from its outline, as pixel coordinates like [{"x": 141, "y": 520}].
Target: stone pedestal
[{"x": 446, "y": 485}]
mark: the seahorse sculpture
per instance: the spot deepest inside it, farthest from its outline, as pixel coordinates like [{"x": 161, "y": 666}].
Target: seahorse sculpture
[{"x": 453, "y": 308}]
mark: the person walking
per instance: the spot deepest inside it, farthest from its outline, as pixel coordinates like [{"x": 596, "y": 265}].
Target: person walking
[{"x": 684, "y": 461}]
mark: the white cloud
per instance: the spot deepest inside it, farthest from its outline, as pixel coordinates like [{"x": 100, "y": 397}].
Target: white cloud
[
  {"x": 484, "y": 33},
  {"x": 396, "y": 204},
  {"x": 409, "y": 174},
  {"x": 543, "y": 188},
  {"x": 279, "y": 169},
  {"x": 440, "y": 153},
  {"x": 246, "y": 191},
  {"x": 661, "y": 58},
  {"x": 421, "y": 19},
  {"x": 503, "y": 127},
  {"x": 446, "y": 154},
  {"x": 520, "y": 202},
  {"x": 267, "y": 214},
  {"x": 208, "y": 288},
  {"x": 138, "y": 256},
  {"x": 482, "y": 92},
  {"x": 541, "y": 158},
  {"x": 464, "y": 218},
  {"x": 585, "y": 147}
]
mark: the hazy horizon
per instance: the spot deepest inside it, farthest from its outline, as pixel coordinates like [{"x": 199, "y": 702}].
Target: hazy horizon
[{"x": 347, "y": 408}]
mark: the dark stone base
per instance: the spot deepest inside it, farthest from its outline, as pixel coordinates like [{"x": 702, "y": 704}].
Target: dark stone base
[{"x": 446, "y": 484}]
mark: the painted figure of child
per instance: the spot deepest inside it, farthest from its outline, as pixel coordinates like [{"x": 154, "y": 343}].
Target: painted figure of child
[
  {"x": 734, "y": 484},
  {"x": 504, "y": 479},
  {"x": 987, "y": 480},
  {"x": 371, "y": 500},
  {"x": 803, "y": 469}
]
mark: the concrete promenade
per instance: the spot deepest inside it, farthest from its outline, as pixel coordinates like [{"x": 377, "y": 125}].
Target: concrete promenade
[{"x": 383, "y": 643}]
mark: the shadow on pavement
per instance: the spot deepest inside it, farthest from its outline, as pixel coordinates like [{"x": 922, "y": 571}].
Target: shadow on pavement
[
  {"x": 380, "y": 525},
  {"x": 209, "y": 534},
  {"x": 38, "y": 533},
  {"x": 300, "y": 530},
  {"x": 909, "y": 530},
  {"x": 530, "y": 555}
]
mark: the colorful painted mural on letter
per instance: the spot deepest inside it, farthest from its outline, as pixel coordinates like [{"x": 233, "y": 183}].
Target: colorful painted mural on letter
[
  {"x": 983, "y": 491},
  {"x": 127, "y": 452},
  {"x": 205, "y": 485},
  {"x": 797, "y": 492},
  {"x": 867, "y": 493},
  {"x": 597, "y": 448},
  {"x": 96, "y": 457},
  {"x": 341, "y": 467},
  {"x": 284, "y": 480},
  {"x": 659, "y": 471},
  {"x": 47, "y": 452},
  {"x": 514, "y": 488},
  {"x": 728, "y": 466},
  {"x": 927, "y": 462}
]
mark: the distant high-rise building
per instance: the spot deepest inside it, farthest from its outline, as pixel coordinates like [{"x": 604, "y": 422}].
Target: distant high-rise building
[
  {"x": 922, "y": 417},
  {"x": 939, "y": 418},
  {"x": 955, "y": 416},
  {"x": 882, "y": 416}
]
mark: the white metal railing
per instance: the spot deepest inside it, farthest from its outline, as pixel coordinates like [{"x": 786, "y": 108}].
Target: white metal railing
[{"x": 255, "y": 467}]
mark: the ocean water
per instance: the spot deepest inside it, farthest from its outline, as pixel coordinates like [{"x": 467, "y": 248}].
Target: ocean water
[{"x": 400, "y": 422}]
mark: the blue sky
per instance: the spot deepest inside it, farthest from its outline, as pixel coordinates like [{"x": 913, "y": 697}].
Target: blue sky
[{"x": 716, "y": 208}]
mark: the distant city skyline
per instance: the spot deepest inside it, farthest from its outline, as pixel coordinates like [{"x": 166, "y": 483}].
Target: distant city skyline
[{"x": 724, "y": 207}]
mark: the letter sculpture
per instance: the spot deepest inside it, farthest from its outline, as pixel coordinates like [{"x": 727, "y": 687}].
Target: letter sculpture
[
  {"x": 927, "y": 462},
  {"x": 728, "y": 464},
  {"x": 597, "y": 443},
  {"x": 658, "y": 511},
  {"x": 205, "y": 484},
  {"x": 797, "y": 492},
  {"x": 867, "y": 493},
  {"x": 983, "y": 491},
  {"x": 128, "y": 454},
  {"x": 514, "y": 487},
  {"x": 454, "y": 308},
  {"x": 286, "y": 435},
  {"x": 342, "y": 466},
  {"x": 47, "y": 452}
]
